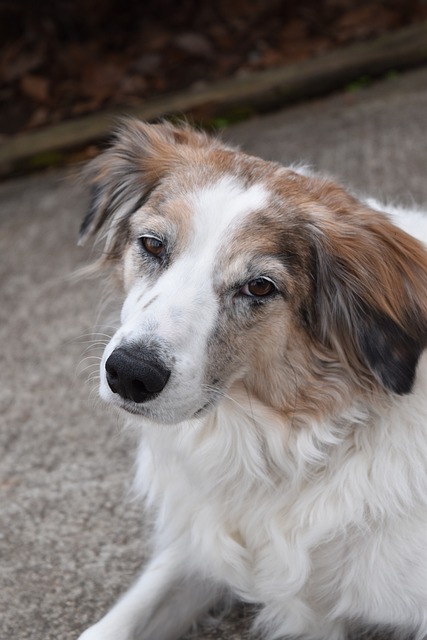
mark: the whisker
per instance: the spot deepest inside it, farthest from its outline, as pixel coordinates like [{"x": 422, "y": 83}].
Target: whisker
[
  {"x": 93, "y": 336},
  {"x": 249, "y": 402},
  {"x": 87, "y": 359},
  {"x": 225, "y": 395},
  {"x": 94, "y": 342},
  {"x": 93, "y": 347},
  {"x": 91, "y": 358},
  {"x": 90, "y": 366},
  {"x": 93, "y": 396}
]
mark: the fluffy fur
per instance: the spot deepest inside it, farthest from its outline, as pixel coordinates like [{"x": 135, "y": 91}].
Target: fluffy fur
[{"x": 284, "y": 438}]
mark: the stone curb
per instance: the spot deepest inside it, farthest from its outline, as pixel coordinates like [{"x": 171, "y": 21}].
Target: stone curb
[{"x": 256, "y": 92}]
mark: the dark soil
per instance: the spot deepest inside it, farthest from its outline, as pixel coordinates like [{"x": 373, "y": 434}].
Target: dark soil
[{"x": 64, "y": 58}]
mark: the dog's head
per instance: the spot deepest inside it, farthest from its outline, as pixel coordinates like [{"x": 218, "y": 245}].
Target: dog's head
[{"x": 237, "y": 271}]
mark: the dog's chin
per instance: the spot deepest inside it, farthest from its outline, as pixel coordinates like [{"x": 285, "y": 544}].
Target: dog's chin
[{"x": 156, "y": 414}]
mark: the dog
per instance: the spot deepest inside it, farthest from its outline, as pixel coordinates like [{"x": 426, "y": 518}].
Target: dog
[{"x": 271, "y": 353}]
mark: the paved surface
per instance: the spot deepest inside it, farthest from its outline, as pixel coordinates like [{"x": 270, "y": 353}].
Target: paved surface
[{"x": 71, "y": 540}]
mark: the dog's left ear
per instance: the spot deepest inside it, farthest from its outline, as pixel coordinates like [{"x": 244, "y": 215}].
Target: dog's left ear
[
  {"x": 370, "y": 291},
  {"x": 122, "y": 177}
]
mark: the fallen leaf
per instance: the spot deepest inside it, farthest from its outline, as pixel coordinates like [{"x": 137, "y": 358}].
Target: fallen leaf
[{"x": 35, "y": 87}]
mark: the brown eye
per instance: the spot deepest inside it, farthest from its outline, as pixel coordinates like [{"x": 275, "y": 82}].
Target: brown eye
[
  {"x": 259, "y": 288},
  {"x": 153, "y": 246}
]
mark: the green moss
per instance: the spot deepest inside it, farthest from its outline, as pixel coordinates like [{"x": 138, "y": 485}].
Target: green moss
[
  {"x": 46, "y": 159},
  {"x": 229, "y": 117},
  {"x": 358, "y": 84}
]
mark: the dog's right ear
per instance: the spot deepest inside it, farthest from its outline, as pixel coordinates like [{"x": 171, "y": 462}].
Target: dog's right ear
[
  {"x": 369, "y": 290},
  {"x": 122, "y": 177}
]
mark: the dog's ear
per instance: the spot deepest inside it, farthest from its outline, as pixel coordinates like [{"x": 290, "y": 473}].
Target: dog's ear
[
  {"x": 369, "y": 292},
  {"x": 122, "y": 177}
]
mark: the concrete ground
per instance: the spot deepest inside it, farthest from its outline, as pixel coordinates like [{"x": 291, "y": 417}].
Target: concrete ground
[{"x": 71, "y": 540}]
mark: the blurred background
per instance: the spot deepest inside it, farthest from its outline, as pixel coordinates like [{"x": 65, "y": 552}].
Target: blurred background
[{"x": 60, "y": 59}]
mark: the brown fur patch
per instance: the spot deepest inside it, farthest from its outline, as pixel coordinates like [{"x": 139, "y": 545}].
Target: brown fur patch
[
  {"x": 140, "y": 156},
  {"x": 371, "y": 288}
]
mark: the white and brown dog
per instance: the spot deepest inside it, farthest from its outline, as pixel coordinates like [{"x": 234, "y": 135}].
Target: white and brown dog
[{"x": 271, "y": 351}]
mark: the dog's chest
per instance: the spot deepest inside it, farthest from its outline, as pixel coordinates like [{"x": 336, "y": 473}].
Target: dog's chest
[
  {"x": 266, "y": 532},
  {"x": 243, "y": 526}
]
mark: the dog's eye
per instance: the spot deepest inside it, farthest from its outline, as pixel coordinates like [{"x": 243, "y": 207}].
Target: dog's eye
[
  {"x": 258, "y": 288},
  {"x": 153, "y": 246}
]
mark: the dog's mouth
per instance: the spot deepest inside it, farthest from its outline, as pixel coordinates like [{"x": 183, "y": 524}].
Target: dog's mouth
[
  {"x": 210, "y": 405},
  {"x": 145, "y": 410},
  {"x": 205, "y": 408},
  {"x": 131, "y": 407},
  {"x": 162, "y": 414}
]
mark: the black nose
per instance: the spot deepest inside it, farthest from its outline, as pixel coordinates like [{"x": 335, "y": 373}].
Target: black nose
[{"x": 136, "y": 373}]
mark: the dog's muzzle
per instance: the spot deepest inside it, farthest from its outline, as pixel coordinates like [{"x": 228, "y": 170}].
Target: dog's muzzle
[{"x": 135, "y": 373}]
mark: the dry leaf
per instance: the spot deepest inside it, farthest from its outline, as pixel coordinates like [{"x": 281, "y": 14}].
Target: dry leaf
[{"x": 35, "y": 87}]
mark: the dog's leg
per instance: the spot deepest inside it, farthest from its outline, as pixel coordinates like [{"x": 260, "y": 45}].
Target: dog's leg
[{"x": 161, "y": 605}]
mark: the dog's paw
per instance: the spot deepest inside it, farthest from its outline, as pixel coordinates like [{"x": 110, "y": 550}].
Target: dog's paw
[
  {"x": 102, "y": 632},
  {"x": 90, "y": 634}
]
